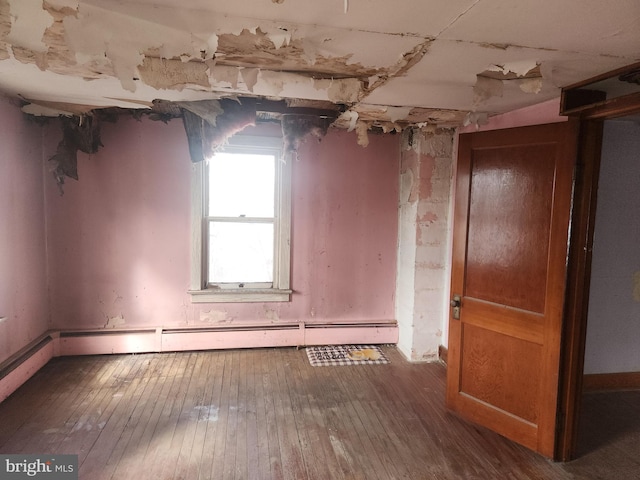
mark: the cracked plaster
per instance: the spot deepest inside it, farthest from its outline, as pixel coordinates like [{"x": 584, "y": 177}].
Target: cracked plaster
[
  {"x": 137, "y": 52},
  {"x": 150, "y": 46}
]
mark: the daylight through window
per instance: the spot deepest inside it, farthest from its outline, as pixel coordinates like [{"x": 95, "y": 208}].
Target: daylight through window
[
  {"x": 244, "y": 222},
  {"x": 240, "y": 218}
]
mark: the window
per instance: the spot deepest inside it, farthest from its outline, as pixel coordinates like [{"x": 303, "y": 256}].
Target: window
[{"x": 241, "y": 223}]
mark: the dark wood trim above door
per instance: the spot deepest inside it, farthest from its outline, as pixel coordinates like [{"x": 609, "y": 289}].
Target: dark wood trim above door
[{"x": 610, "y": 95}]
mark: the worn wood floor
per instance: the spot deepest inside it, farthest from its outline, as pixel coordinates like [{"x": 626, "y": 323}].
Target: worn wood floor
[{"x": 267, "y": 414}]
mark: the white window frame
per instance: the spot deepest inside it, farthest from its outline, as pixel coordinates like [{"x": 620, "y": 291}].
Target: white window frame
[{"x": 279, "y": 290}]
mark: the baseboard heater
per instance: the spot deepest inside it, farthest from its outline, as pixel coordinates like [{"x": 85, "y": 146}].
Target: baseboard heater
[
  {"x": 101, "y": 342},
  {"x": 350, "y": 333},
  {"x": 21, "y": 366},
  {"x": 216, "y": 337}
]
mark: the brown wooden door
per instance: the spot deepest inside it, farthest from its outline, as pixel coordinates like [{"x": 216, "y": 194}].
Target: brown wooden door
[{"x": 512, "y": 212}]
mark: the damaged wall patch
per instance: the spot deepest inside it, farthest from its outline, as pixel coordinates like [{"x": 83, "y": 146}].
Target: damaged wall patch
[{"x": 114, "y": 322}]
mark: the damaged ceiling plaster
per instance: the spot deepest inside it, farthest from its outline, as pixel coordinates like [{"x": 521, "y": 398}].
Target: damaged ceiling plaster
[{"x": 357, "y": 64}]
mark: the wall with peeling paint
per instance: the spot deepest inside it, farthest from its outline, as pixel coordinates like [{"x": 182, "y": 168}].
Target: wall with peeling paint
[
  {"x": 613, "y": 328},
  {"x": 23, "y": 289},
  {"x": 424, "y": 239},
  {"x": 119, "y": 237},
  {"x": 405, "y": 280}
]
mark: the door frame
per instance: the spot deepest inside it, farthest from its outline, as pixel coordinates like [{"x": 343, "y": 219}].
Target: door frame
[{"x": 579, "y": 262}]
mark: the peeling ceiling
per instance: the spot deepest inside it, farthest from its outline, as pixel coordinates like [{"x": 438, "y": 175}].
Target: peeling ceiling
[{"x": 384, "y": 63}]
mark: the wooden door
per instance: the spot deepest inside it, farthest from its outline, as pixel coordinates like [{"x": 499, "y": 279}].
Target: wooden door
[{"x": 511, "y": 226}]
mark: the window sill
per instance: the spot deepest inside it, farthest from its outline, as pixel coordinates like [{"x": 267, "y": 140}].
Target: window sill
[{"x": 240, "y": 295}]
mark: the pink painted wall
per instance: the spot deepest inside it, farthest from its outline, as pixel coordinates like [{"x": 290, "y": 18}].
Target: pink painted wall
[
  {"x": 23, "y": 289},
  {"x": 119, "y": 237}
]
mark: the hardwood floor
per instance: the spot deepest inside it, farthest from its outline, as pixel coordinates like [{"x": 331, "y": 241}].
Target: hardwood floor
[{"x": 267, "y": 414}]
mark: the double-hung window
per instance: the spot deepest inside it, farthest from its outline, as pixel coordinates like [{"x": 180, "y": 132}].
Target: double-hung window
[{"x": 241, "y": 206}]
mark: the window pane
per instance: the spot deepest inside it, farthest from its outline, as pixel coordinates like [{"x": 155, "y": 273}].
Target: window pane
[
  {"x": 241, "y": 185},
  {"x": 240, "y": 252}
]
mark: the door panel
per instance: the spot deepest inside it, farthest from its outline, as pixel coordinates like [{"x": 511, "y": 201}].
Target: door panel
[
  {"x": 509, "y": 386},
  {"x": 512, "y": 211},
  {"x": 514, "y": 187}
]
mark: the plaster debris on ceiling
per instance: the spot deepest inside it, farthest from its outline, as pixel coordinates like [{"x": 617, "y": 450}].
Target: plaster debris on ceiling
[
  {"x": 350, "y": 118},
  {"x": 5, "y": 28},
  {"x": 403, "y": 65},
  {"x": 397, "y": 119},
  {"x": 249, "y": 77},
  {"x": 530, "y": 85},
  {"x": 208, "y": 125},
  {"x": 340, "y": 90},
  {"x": 527, "y": 74},
  {"x": 220, "y": 74},
  {"x": 28, "y": 22},
  {"x": 208, "y": 110},
  {"x": 398, "y": 113},
  {"x": 476, "y": 118},
  {"x": 140, "y": 45},
  {"x": 486, "y": 88},
  {"x": 208, "y": 131},
  {"x": 279, "y": 38},
  {"x": 164, "y": 74},
  {"x": 126, "y": 41},
  {"x": 520, "y": 68},
  {"x": 273, "y": 83},
  {"x": 147, "y": 48},
  {"x": 296, "y": 127},
  {"x": 38, "y": 110}
]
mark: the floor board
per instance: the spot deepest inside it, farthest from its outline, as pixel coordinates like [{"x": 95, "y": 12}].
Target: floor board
[{"x": 267, "y": 414}]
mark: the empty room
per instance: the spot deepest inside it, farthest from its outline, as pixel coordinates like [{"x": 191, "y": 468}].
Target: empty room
[{"x": 351, "y": 239}]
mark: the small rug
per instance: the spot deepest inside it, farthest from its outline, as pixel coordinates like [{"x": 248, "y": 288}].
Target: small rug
[{"x": 334, "y": 355}]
